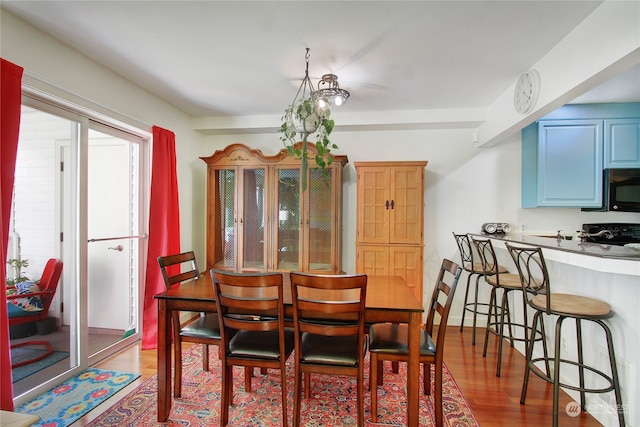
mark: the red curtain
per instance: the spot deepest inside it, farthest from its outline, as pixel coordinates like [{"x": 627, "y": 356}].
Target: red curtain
[
  {"x": 164, "y": 227},
  {"x": 10, "y": 106}
]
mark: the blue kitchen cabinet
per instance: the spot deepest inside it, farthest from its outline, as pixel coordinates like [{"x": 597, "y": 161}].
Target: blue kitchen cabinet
[
  {"x": 562, "y": 163},
  {"x": 622, "y": 143}
]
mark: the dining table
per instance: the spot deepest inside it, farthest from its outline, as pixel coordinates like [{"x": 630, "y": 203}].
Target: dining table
[{"x": 388, "y": 299}]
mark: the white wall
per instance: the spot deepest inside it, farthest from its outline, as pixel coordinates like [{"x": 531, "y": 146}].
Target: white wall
[{"x": 57, "y": 70}]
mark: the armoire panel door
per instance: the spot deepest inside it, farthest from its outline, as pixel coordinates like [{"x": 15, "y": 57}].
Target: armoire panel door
[
  {"x": 372, "y": 260},
  {"x": 406, "y": 213},
  {"x": 373, "y": 198}
]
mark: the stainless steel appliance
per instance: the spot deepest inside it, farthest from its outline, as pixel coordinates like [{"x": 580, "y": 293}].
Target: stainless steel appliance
[
  {"x": 611, "y": 233},
  {"x": 620, "y": 191}
]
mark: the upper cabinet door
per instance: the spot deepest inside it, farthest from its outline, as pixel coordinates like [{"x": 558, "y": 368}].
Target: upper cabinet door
[
  {"x": 570, "y": 163},
  {"x": 622, "y": 143}
]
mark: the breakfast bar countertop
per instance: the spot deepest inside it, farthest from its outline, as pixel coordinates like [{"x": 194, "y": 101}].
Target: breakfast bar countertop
[{"x": 572, "y": 245}]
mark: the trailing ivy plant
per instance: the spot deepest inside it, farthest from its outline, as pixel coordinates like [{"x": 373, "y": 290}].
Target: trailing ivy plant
[{"x": 304, "y": 118}]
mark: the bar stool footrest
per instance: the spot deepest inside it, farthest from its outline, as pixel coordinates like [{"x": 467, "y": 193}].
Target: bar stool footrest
[
  {"x": 470, "y": 308},
  {"x": 547, "y": 378}
]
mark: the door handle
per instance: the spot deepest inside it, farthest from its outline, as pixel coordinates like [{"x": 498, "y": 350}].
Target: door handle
[{"x": 118, "y": 248}]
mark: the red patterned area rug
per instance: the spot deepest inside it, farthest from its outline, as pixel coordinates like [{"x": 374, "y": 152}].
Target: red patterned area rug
[{"x": 333, "y": 400}]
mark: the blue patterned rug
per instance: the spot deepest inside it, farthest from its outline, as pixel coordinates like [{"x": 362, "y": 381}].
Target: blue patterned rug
[{"x": 67, "y": 402}]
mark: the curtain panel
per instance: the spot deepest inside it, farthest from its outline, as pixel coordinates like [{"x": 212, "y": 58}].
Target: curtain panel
[
  {"x": 164, "y": 227},
  {"x": 10, "y": 107}
]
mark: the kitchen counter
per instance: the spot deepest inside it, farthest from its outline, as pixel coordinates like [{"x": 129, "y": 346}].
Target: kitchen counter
[
  {"x": 593, "y": 256},
  {"x": 583, "y": 248}
]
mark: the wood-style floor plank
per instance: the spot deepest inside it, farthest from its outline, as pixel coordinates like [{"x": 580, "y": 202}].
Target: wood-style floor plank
[{"x": 494, "y": 401}]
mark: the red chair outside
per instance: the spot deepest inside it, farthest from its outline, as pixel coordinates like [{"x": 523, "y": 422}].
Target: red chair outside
[{"x": 48, "y": 285}]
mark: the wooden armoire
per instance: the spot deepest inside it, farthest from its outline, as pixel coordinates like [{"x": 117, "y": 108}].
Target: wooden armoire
[
  {"x": 259, "y": 219},
  {"x": 390, "y": 220}
]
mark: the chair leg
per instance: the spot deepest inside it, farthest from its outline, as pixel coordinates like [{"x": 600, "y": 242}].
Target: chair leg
[
  {"x": 492, "y": 309},
  {"x": 503, "y": 310},
  {"x": 527, "y": 369},
  {"x": 373, "y": 384},
  {"x": 580, "y": 364},
  {"x": 307, "y": 385},
  {"x": 556, "y": 371},
  {"x": 227, "y": 392},
  {"x": 426, "y": 378},
  {"x": 297, "y": 391},
  {"x": 380, "y": 371},
  {"x": 283, "y": 385},
  {"x": 438, "y": 393},
  {"x": 205, "y": 357},
  {"x": 475, "y": 310},
  {"x": 248, "y": 373},
  {"x": 360, "y": 379},
  {"x": 466, "y": 299},
  {"x": 614, "y": 373}
]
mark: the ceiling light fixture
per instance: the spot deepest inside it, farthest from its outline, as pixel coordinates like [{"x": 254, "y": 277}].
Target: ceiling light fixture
[{"x": 329, "y": 93}]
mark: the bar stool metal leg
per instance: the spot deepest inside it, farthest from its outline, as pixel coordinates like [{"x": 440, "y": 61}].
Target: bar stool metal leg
[{"x": 614, "y": 372}]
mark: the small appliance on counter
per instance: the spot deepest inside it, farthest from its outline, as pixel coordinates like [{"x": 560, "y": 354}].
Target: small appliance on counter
[
  {"x": 610, "y": 233},
  {"x": 495, "y": 228}
]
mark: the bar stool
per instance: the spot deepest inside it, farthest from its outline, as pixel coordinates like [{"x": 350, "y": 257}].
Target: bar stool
[
  {"x": 534, "y": 275},
  {"x": 473, "y": 269},
  {"x": 506, "y": 283}
]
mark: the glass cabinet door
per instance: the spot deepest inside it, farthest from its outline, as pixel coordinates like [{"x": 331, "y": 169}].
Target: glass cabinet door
[
  {"x": 253, "y": 219},
  {"x": 321, "y": 214},
  {"x": 288, "y": 238},
  {"x": 224, "y": 234}
]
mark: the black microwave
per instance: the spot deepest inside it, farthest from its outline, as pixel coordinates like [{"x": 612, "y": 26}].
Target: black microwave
[{"x": 621, "y": 190}]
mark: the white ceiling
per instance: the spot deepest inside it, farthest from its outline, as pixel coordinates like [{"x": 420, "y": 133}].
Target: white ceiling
[{"x": 228, "y": 58}]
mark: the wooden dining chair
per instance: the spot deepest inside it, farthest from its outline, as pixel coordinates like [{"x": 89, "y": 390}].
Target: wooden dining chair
[
  {"x": 177, "y": 269},
  {"x": 390, "y": 341},
  {"x": 328, "y": 318},
  {"x": 251, "y": 314}
]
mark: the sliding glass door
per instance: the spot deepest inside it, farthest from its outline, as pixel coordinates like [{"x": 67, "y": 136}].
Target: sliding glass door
[{"x": 78, "y": 196}]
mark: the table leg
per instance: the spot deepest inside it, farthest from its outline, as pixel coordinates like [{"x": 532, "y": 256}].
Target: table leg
[
  {"x": 164, "y": 361},
  {"x": 413, "y": 369}
]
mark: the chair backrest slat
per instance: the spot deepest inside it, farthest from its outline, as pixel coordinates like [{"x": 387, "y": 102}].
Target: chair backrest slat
[
  {"x": 532, "y": 270},
  {"x": 466, "y": 250},
  {"x": 487, "y": 256},
  {"x": 178, "y": 268},
  {"x": 445, "y": 288}
]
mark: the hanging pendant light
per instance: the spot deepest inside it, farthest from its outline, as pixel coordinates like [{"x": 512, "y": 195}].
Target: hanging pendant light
[{"x": 329, "y": 93}]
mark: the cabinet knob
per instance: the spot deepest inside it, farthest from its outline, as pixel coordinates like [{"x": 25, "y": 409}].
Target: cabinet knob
[
  {"x": 386, "y": 204},
  {"x": 392, "y": 204}
]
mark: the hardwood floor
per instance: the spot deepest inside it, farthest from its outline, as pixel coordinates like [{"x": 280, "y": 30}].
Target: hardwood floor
[{"x": 494, "y": 401}]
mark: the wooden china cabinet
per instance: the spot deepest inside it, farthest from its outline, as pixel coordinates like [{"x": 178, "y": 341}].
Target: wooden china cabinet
[
  {"x": 259, "y": 219},
  {"x": 390, "y": 220}
]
